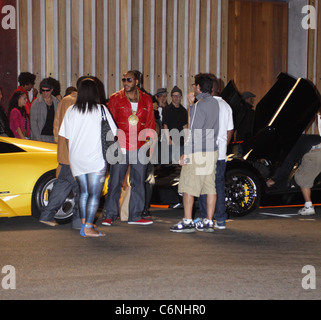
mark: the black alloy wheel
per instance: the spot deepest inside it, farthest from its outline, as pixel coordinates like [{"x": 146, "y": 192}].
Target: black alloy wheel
[{"x": 243, "y": 192}]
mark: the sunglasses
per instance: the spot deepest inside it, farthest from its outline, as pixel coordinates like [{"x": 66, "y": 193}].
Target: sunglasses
[
  {"x": 130, "y": 80},
  {"x": 45, "y": 90}
]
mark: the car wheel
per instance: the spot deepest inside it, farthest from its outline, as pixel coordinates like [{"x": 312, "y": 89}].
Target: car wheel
[
  {"x": 41, "y": 195},
  {"x": 243, "y": 192}
]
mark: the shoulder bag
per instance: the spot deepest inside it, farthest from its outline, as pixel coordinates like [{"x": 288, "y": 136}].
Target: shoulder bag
[{"x": 110, "y": 146}]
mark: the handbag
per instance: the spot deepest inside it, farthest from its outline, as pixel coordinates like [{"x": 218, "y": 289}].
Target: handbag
[{"x": 111, "y": 149}]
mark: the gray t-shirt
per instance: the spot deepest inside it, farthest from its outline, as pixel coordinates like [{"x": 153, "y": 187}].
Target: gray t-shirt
[{"x": 204, "y": 125}]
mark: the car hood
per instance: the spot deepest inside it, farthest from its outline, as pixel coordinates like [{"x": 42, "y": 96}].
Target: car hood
[
  {"x": 281, "y": 117},
  {"x": 30, "y": 145}
]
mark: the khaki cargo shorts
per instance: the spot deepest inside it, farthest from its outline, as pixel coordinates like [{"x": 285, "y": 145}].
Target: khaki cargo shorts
[
  {"x": 309, "y": 169},
  {"x": 198, "y": 176}
]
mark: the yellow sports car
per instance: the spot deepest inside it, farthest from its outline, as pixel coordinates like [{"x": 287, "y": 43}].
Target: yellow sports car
[{"x": 27, "y": 174}]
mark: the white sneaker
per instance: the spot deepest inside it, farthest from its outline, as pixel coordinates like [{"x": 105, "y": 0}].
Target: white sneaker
[{"x": 307, "y": 211}]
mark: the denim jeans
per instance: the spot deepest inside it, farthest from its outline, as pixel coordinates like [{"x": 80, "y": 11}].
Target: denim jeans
[
  {"x": 62, "y": 187},
  {"x": 137, "y": 182},
  {"x": 220, "y": 214}
]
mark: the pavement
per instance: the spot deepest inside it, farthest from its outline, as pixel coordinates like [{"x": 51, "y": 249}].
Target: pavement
[{"x": 272, "y": 254}]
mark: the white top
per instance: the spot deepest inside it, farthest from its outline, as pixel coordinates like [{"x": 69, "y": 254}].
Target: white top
[
  {"x": 319, "y": 123},
  {"x": 83, "y": 130},
  {"x": 226, "y": 124},
  {"x": 160, "y": 111},
  {"x": 134, "y": 106}
]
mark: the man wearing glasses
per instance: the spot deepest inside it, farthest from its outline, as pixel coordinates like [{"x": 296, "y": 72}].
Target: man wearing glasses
[
  {"x": 42, "y": 113},
  {"x": 175, "y": 122},
  {"x": 133, "y": 113}
]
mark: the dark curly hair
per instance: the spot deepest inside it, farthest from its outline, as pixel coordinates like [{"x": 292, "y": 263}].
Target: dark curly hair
[{"x": 26, "y": 78}]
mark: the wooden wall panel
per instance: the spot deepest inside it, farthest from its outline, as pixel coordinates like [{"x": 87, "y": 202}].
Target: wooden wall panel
[
  {"x": 135, "y": 35},
  {"x": 123, "y": 37},
  {"x": 180, "y": 77},
  {"x": 36, "y": 43},
  {"x": 257, "y": 51},
  {"x": 168, "y": 40},
  {"x": 318, "y": 51},
  {"x": 169, "y": 44},
  {"x": 88, "y": 40},
  {"x": 50, "y": 67},
  {"x": 112, "y": 46},
  {"x": 314, "y": 57},
  {"x": 23, "y": 35},
  {"x": 147, "y": 44},
  {"x": 74, "y": 41},
  {"x": 62, "y": 44},
  {"x": 100, "y": 44},
  {"x": 213, "y": 37},
  {"x": 8, "y": 58},
  {"x": 158, "y": 43}
]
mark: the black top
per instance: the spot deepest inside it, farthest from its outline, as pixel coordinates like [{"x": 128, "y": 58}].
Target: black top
[
  {"x": 175, "y": 118},
  {"x": 48, "y": 127}
]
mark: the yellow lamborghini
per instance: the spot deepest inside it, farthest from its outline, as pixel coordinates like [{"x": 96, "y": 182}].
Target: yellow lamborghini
[{"x": 27, "y": 174}]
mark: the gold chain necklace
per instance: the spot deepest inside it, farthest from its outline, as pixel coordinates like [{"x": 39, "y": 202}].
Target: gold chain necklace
[{"x": 133, "y": 119}]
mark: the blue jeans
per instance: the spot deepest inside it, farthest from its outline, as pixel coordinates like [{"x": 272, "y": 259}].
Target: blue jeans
[
  {"x": 220, "y": 214},
  {"x": 137, "y": 182},
  {"x": 61, "y": 189},
  {"x": 91, "y": 186}
]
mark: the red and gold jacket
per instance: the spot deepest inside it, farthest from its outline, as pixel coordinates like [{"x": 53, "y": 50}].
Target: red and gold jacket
[{"x": 132, "y": 137}]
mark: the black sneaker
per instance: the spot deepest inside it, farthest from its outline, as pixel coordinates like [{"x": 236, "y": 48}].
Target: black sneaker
[
  {"x": 204, "y": 225},
  {"x": 183, "y": 227},
  {"x": 146, "y": 215}
]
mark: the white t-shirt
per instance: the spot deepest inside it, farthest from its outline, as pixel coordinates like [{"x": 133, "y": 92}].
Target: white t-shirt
[
  {"x": 226, "y": 124},
  {"x": 83, "y": 130},
  {"x": 319, "y": 123},
  {"x": 134, "y": 106}
]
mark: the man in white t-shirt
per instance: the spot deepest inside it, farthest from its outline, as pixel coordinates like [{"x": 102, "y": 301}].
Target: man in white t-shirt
[{"x": 225, "y": 135}]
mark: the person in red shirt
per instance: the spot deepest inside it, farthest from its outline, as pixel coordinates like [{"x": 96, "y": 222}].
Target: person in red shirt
[
  {"x": 26, "y": 84},
  {"x": 133, "y": 112}
]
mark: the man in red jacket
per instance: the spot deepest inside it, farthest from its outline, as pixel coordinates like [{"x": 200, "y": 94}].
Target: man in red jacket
[
  {"x": 26, "y": 84},
  {"x": 133, "y": 113}
]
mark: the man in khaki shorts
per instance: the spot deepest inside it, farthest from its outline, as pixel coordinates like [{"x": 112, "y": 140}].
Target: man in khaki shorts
[
  {"x": 309, "y": 169},
  {"x": 200, "y": 156}
]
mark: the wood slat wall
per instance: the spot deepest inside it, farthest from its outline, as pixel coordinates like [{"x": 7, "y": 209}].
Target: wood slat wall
[
  {"x": 168, "y": 40},
  {"x": 258, "y": 46}
]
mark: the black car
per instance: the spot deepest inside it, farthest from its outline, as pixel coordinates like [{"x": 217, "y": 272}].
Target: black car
[{"x": 280, "y": 120}]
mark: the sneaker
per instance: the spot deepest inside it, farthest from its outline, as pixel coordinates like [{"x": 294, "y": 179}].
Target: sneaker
[
  {"x": 198, "y": 222},
  {"x": 183, "y": 227},
  {"x": 220, "y": 225},
  {"x": 205, "y": 225},
  {"x": 141, "y": 222},
  {"x": 307, "y": 211},
  {"x": 107, "y": 222},
  {"x": 146, "y": 215}
]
